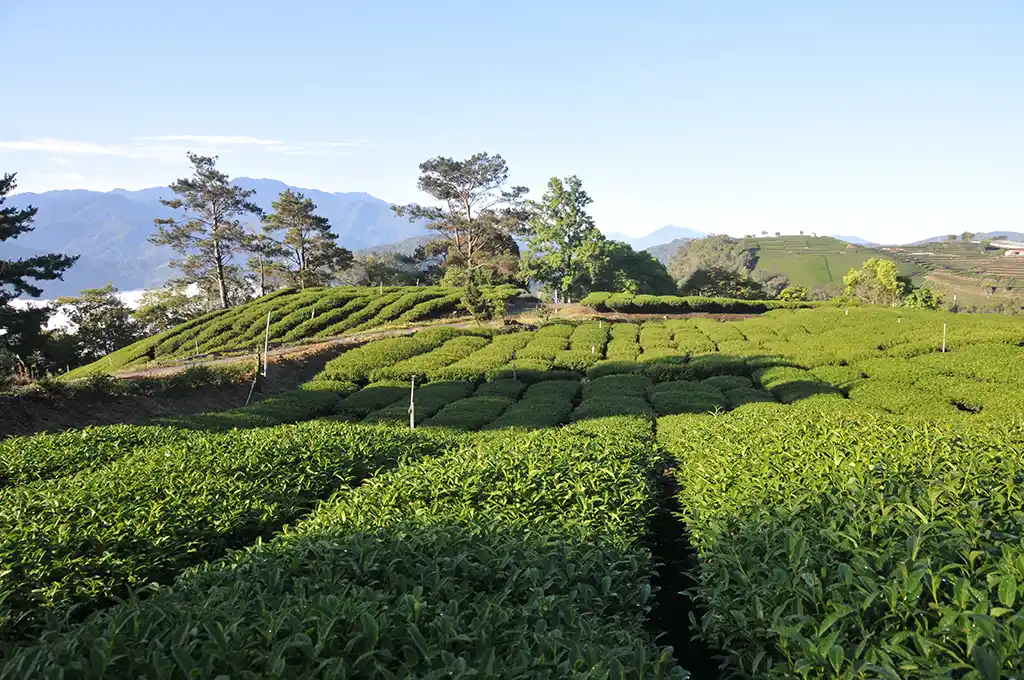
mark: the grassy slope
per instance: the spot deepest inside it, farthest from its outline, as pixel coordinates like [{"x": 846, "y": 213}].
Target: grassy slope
[
  {"x": 816, "y": 261},
  {"x": 342, "y": 310}
]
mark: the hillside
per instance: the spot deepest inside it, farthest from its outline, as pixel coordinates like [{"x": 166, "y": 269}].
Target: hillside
[
  {"x": 812, "y": 261},
  {"x": 295, "y": 317},
  {"x": 816, "y": 261},
  {"x": 657, "y": 237},
  {"x": 110, "y": 230}
]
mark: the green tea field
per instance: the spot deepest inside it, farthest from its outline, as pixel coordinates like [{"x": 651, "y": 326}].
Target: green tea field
[
  {"x": 295, "y": 316},
  {"x": 806, "y": 493}
]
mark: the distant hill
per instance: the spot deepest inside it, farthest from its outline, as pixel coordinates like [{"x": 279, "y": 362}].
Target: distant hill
[
  {"x": 980, "y": 236},
  {"x": 657, "y": 237},
  {"x": 664, "y": 252},
  {"x": 110, "y": 230},
  {"x": 404, "y": 247},
  {"x": 855, "y": 240}
]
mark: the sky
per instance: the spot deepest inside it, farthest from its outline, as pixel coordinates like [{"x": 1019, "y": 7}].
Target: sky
[{"x": 887, "y": 120}]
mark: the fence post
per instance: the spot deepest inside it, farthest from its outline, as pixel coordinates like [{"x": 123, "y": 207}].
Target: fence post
[
  {"x": 514, "y": 365},
  {"x": 266, "y": 345},
  {"x": 412, "y": 404},
  {"x": 943, "y": 337}
]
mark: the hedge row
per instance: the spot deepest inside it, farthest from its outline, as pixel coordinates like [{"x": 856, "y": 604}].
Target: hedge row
[
  {"x": 520, "y": 556},
  {"x": 359, "y": 364},
  {"x": 846, "y": 544},
  {"x": 487, "y": 361},
  {"x": 47, "y": 456},
  {"x": 81, "y": 541},
  {"x": 674, "y": 304},
  {"x": 470, "y": 413},
  {"x": 614, "y": 395},
  {"x": 429, "y": 399},
  {"x": 545, "y": 404},
  {"x": 426, "y": 366}
]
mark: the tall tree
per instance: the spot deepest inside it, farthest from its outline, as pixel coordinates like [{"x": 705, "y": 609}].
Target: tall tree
[
  {"x": 564, "y": 248},
  {"x": 264, "y": 253},
  {"x": 308, "y": 248},
  {"x": 209, "y": 231},
  {"x": 21, "y": 330},
  {"x": 479, "y": 216},
  {"x": 103, "y": 322}
]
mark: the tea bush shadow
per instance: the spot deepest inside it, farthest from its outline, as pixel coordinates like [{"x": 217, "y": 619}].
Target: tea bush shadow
[
  {"x": 551, "y": 398},
  {"x": 518, "y": 598}
]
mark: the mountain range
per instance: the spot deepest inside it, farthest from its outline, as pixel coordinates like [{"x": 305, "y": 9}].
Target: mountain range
[
  {"x": 109, "y": 230},
  {"x": 657, "y": 237}
]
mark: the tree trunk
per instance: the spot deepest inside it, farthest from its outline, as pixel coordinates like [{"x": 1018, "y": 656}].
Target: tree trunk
[{"x": 221, "y": 283}]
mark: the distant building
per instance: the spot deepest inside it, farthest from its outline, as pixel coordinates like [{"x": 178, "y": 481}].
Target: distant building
[{"x": 1014, "y": 252}]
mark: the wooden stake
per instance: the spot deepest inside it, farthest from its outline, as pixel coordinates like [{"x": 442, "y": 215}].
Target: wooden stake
[
  {"x": 412, "y": 404},
  {"x": 943, "y": 337},
  {"x": 266, "y": 345}
]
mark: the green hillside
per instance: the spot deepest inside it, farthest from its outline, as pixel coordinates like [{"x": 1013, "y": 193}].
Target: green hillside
[
  {"x": 827, "y": 473},
  {"x": 817, "y": 261},
  {"x": 295, "y": 316}
]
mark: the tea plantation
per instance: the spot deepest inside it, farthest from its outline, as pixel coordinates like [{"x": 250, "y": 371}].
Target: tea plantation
[
  {"x": 837, "y": 496},
  {"x": 295, "y": 316}
]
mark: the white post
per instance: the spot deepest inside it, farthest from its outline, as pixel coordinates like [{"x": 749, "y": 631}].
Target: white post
[
  {"x": 412, "y": 404},
  {"x": 266, "y": 345},
  {"x": 943, "y": 337},
  {"x": 513, "y": 365},
  {"x": 381, "y": 287},
  {"x": 196, "y": 340},
  {"x": 593, "y": 349}
]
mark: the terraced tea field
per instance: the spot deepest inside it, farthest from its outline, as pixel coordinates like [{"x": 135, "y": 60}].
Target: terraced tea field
[
  {"x": 841, "y": 498},
  {"x": 295, "y": 316}
]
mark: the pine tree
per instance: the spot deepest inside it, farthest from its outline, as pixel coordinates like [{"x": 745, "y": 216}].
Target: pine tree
[
  {"x": 209, "y": 232},
  {"x": 479, "y": 218},
  {"x": 19, "y": 327},
  {"x": 307, "y": 248}
]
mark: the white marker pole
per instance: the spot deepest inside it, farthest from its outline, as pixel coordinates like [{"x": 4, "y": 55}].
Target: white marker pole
[
  {"x": 412, "y": 404},
  {"x": 943, "y": 337}
]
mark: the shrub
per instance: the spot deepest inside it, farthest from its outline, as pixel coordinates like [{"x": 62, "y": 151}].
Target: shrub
[
  {"x": 685, "y": 396},
  {"x": 503, "y": 387},
  {"x": 471, "y": 413},
  {"x": 429, "y": 399}
]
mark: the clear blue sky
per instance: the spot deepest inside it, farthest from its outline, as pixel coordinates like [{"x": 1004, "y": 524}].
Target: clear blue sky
[{"x": 890, "y": 119}]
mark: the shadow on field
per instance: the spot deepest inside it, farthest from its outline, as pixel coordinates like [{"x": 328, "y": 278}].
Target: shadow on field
[
  {"x": 518, "y": 599},
  {"x": 533, "y": 398}
]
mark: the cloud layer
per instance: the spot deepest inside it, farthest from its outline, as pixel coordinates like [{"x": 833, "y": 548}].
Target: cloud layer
[{"x": 173, "y": 147}]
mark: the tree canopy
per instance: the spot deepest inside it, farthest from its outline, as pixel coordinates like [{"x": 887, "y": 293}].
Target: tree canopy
[
  {"x": 565, "y": 251},
  {"x": 877, "y": 282},
  {"x": 305, "y": 250},
  {"x": 722, "y": 253},
  {"x": 209, "y": 231},
  {"x": 479, "y": 216},
  {"x": 103, "y": 322}
]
